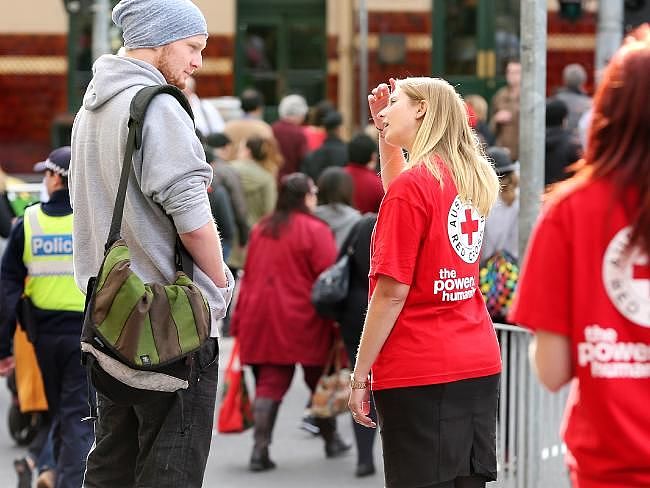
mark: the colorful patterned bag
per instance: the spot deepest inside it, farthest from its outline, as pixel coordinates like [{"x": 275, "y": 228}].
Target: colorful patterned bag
[
  {"x": 498, "y": 282},
  {"x": 333, "y": 389}
]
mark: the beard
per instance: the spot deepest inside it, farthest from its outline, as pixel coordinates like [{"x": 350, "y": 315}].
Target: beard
[{"x": 165, "y": 67}]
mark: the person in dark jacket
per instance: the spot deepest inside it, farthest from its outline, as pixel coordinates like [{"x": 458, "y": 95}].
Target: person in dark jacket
[
  {"x": 333, "y": 151},
  {"x": 221, "y": 205},
  {"x": 224, "y": 216},
  {"x": 562, "y": 147},
  {"x": 7, "y": 215},
  {"x": 351, "y": 321},
  {"x": 221, "y": 144},
  {"x": 573, "y": 94},
  {"x": 37, "y": 265}
]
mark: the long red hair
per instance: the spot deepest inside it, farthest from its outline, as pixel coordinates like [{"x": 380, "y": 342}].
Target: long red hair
[{"x": 618, "y": 146}]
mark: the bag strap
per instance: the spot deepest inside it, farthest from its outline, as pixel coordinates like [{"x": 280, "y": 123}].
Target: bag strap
[
  {"x": 351, "y": 240},
  {"x": 137, "y": 111},
  {"x": 234, "y": 357},
  {"x": 334, "y": 357}
]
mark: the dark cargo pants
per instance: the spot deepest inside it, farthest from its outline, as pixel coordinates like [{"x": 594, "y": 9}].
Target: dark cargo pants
[{"x": 157, "y": 444}]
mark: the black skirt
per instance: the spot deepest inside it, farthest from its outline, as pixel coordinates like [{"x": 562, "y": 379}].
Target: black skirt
[{"x": 435, "y": 433}]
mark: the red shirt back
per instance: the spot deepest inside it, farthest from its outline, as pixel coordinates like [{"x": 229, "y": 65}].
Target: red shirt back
[
  {"x": 315, "y": 136},
  {"x": 577, "y": 281},
  {"x": 368, "y": 190},
  {"x": 427, "y": 238},
  {"x": 293, "y": 145}
]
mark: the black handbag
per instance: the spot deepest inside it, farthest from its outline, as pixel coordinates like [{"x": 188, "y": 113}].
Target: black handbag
[{"x": 330, "y": 290}]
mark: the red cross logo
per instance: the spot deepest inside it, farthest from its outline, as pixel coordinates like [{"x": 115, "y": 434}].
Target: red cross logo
[
  {"x": 469, "y": 226},
  {"x": 641, "y": 272}
]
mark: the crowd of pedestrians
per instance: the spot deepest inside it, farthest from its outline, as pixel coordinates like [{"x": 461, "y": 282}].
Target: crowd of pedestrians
[{"x": 419, "y": 206}]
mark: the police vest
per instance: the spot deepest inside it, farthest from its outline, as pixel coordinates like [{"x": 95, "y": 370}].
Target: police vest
[{"x": 47, "y": 255}]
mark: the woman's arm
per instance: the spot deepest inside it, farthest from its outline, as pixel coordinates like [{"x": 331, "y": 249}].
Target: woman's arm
[
  {"x": 385, "y": 306},
  {"x": 550, "y": 356},
  {"x": 391, "y": 160},
  {"x": 391, "y": 157}
]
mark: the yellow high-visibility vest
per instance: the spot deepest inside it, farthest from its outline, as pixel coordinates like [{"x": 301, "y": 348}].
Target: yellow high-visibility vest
[{"x": 47, "y": 255}]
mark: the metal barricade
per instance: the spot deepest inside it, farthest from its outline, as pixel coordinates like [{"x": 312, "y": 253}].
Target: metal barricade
[{"x": 530, "y": 452}]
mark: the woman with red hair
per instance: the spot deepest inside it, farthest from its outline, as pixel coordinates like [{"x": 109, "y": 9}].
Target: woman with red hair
[{"x": 585, "y": 288}]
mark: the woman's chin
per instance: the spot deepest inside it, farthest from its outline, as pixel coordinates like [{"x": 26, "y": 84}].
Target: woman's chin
[{"x": 389, "y": 139}]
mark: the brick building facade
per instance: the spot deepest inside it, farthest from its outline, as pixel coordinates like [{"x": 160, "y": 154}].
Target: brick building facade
[{"x": 34, "y": 59}]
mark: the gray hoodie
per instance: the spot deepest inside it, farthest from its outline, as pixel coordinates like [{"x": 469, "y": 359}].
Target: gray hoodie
[
  {"x": 173, "y": 177},
  {"x": 340, "y": 217}
]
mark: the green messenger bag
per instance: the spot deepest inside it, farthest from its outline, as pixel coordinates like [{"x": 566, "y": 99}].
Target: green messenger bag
[{"x": 138, "y": 338}]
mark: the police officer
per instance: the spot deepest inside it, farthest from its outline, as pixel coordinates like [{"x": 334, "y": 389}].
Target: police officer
[{"x": 37, "y": 278}]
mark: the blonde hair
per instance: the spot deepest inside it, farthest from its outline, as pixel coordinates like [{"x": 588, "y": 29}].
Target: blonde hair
[
  {"x": 479, "y": 104},
  {"x": 445, "y": 132}
]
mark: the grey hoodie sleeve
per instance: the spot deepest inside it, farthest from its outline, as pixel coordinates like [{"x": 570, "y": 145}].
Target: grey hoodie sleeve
[{"x": 174, "y": 173}]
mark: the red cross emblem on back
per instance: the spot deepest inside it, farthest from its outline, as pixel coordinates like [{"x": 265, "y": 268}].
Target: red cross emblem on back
[{"x": 469, "y": 226}]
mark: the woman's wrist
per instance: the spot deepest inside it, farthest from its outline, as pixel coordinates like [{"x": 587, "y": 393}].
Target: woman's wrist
[{"x": 358, "y": 384}]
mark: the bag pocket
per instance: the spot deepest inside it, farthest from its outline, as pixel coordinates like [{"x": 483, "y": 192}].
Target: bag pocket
[{"x": 126, "y": 386}]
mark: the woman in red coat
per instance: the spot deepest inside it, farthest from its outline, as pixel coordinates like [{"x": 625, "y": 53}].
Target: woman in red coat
[{"x": 274, "y": 320}]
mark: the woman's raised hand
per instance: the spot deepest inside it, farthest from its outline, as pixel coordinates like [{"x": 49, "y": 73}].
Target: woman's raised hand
[{"x": 378, "y": 100}]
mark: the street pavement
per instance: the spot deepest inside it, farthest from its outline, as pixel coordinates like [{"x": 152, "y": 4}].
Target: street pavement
[{"x": 300, "y": 457}]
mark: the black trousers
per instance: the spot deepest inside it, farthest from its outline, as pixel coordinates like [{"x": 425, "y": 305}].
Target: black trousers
[
  {"x": 158, "y": 444},
  {"x": 363, "y": 436},
  {"x": 59, "y": 358}
]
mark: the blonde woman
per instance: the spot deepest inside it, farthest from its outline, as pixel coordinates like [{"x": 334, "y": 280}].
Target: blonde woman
[
  {"x": 480, "y": 107},
  {"x": 427, "y": 337}
]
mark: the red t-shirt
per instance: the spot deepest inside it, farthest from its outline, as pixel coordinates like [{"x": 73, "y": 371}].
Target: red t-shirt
[
  {"x": 427, "y": 238},
  {"x": 315, "y": 137},
  {"x": 578, "y": 282},
  {"x": 293, "y": 145},
  {"x": 368, "y": 190}
]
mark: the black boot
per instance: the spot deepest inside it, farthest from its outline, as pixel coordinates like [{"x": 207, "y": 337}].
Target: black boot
[
  {"x": 334, "y": 445},
  {"x": 265, "y": 411}
]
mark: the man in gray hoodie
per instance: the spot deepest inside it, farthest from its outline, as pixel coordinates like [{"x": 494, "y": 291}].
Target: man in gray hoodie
[{"x": 162, "y": 444}]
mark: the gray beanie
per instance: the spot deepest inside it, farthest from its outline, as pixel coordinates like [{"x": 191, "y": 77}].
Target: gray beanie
[{"x": 153, "y": 23}]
